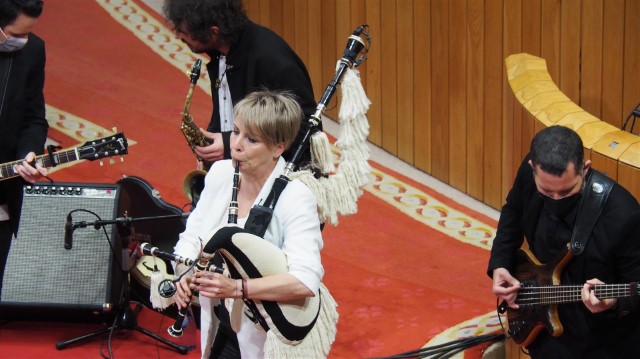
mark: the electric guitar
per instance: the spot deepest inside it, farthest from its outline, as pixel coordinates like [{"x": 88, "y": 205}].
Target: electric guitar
[
  {"x": 92, "y": 150},
  {"x": 541, "y": 292}
]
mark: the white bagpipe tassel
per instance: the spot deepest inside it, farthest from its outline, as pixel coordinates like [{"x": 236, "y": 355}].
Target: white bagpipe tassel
[
  {"x": 321, "y": 152},
  {"x": 157, "y": 301},
  {"x": 317, "y": 344},
  {"x": 338, "y": 193}
]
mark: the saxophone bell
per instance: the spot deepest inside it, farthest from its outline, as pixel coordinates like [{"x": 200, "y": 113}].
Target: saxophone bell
[{"x": 193, "y": 184}]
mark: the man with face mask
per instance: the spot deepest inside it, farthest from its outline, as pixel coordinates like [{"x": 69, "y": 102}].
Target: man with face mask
[
  {"x": 545, "y": 207},
  {"x": 23, "y": 126}
]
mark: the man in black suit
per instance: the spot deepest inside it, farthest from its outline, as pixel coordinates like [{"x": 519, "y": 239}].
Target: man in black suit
[
  {"x": 544, "y": 207},
  {"x": 23, "y": 126},
  {"x": 245, "y": 57}
]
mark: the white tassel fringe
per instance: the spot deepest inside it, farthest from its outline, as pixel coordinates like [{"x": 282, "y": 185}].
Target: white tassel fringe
[
  {"x": 317, "y": 343},
  {"x": 338, "y": 194},
  {"x": 157, "y": 301}
]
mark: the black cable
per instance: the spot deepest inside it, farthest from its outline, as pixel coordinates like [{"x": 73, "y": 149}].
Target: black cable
[
  {"x": 447, "y": 350},
  {"x": 115, "y": 254}
]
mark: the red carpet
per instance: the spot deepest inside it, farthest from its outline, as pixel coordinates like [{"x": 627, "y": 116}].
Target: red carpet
[{"x": 398, "y": 282}]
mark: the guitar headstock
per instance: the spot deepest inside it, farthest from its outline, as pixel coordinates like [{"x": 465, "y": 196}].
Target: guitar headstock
[{"x": 114, "y": 145}]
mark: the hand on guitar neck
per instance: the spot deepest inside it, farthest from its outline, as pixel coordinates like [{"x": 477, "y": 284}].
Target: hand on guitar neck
[
  {"x": 590, "y": 299},
  {"x": 30, "y": 170}
]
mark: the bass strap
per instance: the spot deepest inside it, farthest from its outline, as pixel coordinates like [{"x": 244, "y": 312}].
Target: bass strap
[
  {"x": 260, "y": 215},
  {"x": 594, "y": 197}
]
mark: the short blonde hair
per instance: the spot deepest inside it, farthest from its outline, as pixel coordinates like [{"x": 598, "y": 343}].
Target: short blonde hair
[{"x": 272, "y": 116}]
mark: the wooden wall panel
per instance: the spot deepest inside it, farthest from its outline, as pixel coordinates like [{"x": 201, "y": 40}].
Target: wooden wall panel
[
  {"x": 440, "y": 81},
  {"x": 612, "y": 62},
  {"x": 314, "y": 62},
  {"x": 301, "y": 35},
  {"x": 422, "y": 85},
  {"x": 264, "y": 13},
  {"x": 605, "y": 165},
  {"x": 631, "y": 89},
  {"x": 388, "y": 41},
  {"x": 628, "y": 178},
  {"x": 405, "y": 80},
  {"x": 374, "y": 68},
  {"x": 494, "y": 84},
  {"x": 591, "y": 71},
  {"x": 512, "y": 110},
  {"x": 457, "y": 129},
  {"x": 436, "y": 77},
  {"x": 570, "y": 49},
  {"x": 550, "y": 36},
  {"x": 289, "y": 22},
  {"x": 474, "y": 161},
  {"x": 327, "y": 54},
  {"x": 531, "y": 43},
  {"x": 275, "y": 16}
]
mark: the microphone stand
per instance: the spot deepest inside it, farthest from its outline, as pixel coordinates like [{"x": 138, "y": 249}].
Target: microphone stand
[{"x": 127, "y": 317}]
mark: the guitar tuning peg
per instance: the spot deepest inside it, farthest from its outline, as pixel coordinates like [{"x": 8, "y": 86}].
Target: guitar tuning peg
[
  {"x": 115, "y": 129},
  {"x": 101, "y": 164},
  {"x": 121, "y": 159}
]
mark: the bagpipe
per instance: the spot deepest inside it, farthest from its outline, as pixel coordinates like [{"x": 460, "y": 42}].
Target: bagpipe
[{"x": 307, "y": 326}]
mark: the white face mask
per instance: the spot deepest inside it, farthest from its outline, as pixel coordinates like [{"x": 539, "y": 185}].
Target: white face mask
[{"x": 11, "y": 43}]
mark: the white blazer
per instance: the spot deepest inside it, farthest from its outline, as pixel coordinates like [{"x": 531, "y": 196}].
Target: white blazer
[{"x": 294, "y": 228}]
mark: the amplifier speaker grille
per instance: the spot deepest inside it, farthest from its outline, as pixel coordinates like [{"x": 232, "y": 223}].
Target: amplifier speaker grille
[{"x": 40, "y": 272}]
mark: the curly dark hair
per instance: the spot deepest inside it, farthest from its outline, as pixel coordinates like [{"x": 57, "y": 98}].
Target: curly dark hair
[
  {"x": 197, "y": 17},
  {"x": 553, "y": 148},
  {"x": 10, "y": 9}
]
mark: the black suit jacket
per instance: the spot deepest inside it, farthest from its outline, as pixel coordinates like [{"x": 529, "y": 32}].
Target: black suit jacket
[
  {"x": 23, "y": 126},
  {"x": 261, "y": 60}
]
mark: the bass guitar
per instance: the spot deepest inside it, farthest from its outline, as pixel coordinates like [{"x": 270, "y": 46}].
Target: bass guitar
[
  {"x": 541, "y": 292},
  {"x": 92, "y": 150}
]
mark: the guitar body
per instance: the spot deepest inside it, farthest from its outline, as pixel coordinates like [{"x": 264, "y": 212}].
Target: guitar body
[{"x": 526, "y": 322}]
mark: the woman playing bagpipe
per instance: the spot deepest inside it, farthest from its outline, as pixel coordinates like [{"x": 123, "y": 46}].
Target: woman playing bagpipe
[{"x": 266, "y": 123}]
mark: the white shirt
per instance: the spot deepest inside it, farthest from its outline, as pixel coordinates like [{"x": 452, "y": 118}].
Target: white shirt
[
  {"x": 224, "y": 97},
  {"x": 294, "y": 228}
]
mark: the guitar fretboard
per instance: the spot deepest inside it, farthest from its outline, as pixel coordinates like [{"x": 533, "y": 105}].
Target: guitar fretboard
[
  {"x": 556, "y": 294},
  {"x": 7, "y": 169}
]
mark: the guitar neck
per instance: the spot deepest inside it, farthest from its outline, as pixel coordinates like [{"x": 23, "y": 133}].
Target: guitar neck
[
  {"x": 7, "y": 169},
  {"x": 557, "y": 294}
]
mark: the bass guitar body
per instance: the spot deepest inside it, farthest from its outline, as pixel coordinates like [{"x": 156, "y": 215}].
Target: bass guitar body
[{"x": 526, "y": 322}]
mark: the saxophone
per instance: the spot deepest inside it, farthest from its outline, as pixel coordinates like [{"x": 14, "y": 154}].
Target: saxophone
[
  {"x": 189, "y": 129},
  {"x": 194, "y": 181}
]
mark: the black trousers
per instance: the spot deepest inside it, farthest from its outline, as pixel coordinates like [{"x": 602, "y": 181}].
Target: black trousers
[
  {"x": 6, "y": 235},
  {"x": 225, "y": 345}
]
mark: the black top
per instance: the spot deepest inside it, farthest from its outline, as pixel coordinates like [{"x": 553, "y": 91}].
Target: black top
[{"x": 23, "y": 126}]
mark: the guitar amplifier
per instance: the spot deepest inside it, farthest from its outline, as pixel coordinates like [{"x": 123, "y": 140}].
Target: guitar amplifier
[{"x": 41, "y": 272}]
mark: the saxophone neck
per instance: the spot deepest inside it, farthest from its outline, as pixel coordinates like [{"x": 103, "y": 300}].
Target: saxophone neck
[{"x": 187, "y": 102}]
